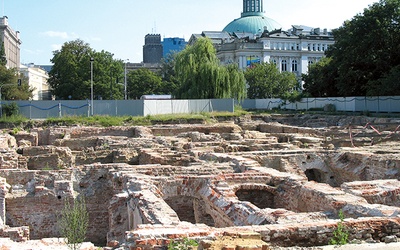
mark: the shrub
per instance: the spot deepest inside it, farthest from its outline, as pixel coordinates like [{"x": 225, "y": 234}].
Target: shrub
[
  {"x": 184, "y": 244},
  {"x": 330, "y": 107},
  {"x": 10, "y": 109},
  {"x": 340, "y": 235},
  {"x": 74, "y": 222}
]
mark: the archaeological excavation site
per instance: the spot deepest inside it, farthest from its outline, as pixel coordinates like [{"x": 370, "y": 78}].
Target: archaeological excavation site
[{"x": 249, "y": 182}]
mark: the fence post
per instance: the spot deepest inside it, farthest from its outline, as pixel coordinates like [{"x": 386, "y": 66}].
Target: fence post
[
  {"x": 88, "y": 111},
  {"x": 59, "y": 109}
]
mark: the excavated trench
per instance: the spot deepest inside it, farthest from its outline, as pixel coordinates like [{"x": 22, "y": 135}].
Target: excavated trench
[{"x": 292, "y": 164}]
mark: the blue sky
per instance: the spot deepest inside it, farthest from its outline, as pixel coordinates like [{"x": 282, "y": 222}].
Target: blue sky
[{"x": 119, "y": 26}]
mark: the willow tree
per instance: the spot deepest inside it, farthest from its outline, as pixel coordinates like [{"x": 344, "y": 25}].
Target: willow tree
[{"x": 201, "y": 76}]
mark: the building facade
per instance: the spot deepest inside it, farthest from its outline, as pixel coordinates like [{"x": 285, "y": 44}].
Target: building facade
[
  {"x": 152, "y": 49},
  {"x": 37, "y": 79},
  {"x": 11, "y": 42},
  {"x": 173, "y": 44},
  {"x": 291, "y": 51},
  {"x": 255, "y": 38}
]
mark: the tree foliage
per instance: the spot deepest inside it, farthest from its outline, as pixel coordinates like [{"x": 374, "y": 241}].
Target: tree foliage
[
  {"x": 320, "y": 80},
  {"x": 201, "y": 76},
  {"x": 169, "y": 82},
  {"x": 10, "y": 90},
  {"x": 265, "y": 81},
  {"x": 70, "y": 76},
  {"x": 365, "y": 57},
  {"x": 143, "y": 82},
  {"x": 74, "y": 222},
  {"x": 3, "y": 58}
]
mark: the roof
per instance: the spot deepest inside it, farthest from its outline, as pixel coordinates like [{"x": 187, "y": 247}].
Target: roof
[{"x": 254, "y": 24}]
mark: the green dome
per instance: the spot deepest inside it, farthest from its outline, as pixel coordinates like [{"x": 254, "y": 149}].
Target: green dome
[{"x": 252, "y": 24}]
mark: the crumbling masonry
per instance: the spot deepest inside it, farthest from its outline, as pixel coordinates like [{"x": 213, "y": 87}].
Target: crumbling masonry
[{"x": 282, "y": 177}]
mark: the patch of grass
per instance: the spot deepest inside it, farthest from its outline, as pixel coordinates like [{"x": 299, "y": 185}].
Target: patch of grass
[
  {"x": 107, "y": 121},
  {"x": 13, "y": 119}
]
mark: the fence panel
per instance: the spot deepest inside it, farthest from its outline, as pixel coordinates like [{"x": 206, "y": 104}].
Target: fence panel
[
  {"x": 223, "y": 105},
  {"x": 180, "y": 106},
  {"x": 349, "y": 104}
]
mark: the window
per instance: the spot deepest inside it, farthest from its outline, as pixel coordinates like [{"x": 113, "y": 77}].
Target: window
[
  {"x": 284, "y": 65},
  {"x": 294, "y": 66},
  {"x": 309, "y": 47}
]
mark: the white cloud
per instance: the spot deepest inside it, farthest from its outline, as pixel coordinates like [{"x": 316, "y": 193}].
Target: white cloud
[
  {"x": 56, "y": 47},
  {"x": 60, "y": 34}
]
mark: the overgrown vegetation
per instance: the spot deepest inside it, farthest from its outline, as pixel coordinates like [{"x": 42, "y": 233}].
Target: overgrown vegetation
[
  {"x": 183, "y": 244},
  {"x": 340, "y": 235},
  {"x": 14, "y": 119},
  {"x": 74, "y": 222},
  {"x": 10, "y": 109},
  {"x": 107, "y": 121}
]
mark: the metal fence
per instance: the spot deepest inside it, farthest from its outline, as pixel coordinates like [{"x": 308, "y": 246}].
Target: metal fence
[
  {"x": 46, "y": 109},
  {"x": 379, "y": 104}
]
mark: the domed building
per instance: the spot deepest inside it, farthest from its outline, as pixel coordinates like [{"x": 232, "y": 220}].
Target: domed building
[
  {"x": 253, "y": 20},
  {"x": 255, "y": 38}
]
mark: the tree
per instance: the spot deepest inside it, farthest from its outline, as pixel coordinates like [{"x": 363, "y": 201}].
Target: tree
[
  {"x": 70, "y": 76},
  {"x": 10, "y": 90},
  {"x": 169, "y": 82},
  {"x": 320, "y": 80},
  {"x": 265, "y": 81},
  {"x": 3, "y": 58},
  {"x": 143, "y": 82},
  {"x": 201, "y": 76},
  {"x": 74, "y": 222},
  {"x": 366, "y": 52}
]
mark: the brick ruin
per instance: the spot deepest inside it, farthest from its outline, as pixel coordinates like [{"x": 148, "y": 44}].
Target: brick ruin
[{"x": 282, "y": 178}]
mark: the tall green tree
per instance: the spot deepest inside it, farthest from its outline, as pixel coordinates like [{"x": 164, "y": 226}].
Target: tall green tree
[
  {"x": 169, "y": 82},
  {"x": 143, "y": 82},
  {"x": 70, "y": 76},
  {"x": 320, "y": 80},
  {"x": 201, "y": 76},
  {"x": 265, "y": 81},
  {"x": 366, "y": 53}
]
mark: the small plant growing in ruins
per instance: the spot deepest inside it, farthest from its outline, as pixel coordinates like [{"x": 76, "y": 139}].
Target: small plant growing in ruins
[
  {"x": 74, "y": 222},
  {"x": 183, "y": 244},
  {"x": 15, "y": 131},
  {"x": 340, "y": 235},
  {"x": 47, "y": 167}
]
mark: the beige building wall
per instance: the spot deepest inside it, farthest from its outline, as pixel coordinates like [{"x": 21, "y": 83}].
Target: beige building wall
[
  {"x": 37, "y": 78},
  {"x": 12, "y": 43}
]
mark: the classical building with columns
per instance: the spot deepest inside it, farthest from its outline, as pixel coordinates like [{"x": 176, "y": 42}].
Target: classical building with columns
[{"x": 255, "y": 38}]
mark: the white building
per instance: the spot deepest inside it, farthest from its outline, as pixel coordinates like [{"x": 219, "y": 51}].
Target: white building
[
  {"x": 12, "y": 43},
  {"x": 255, "y": 38},
  {"x": 37, "y": 79}
]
